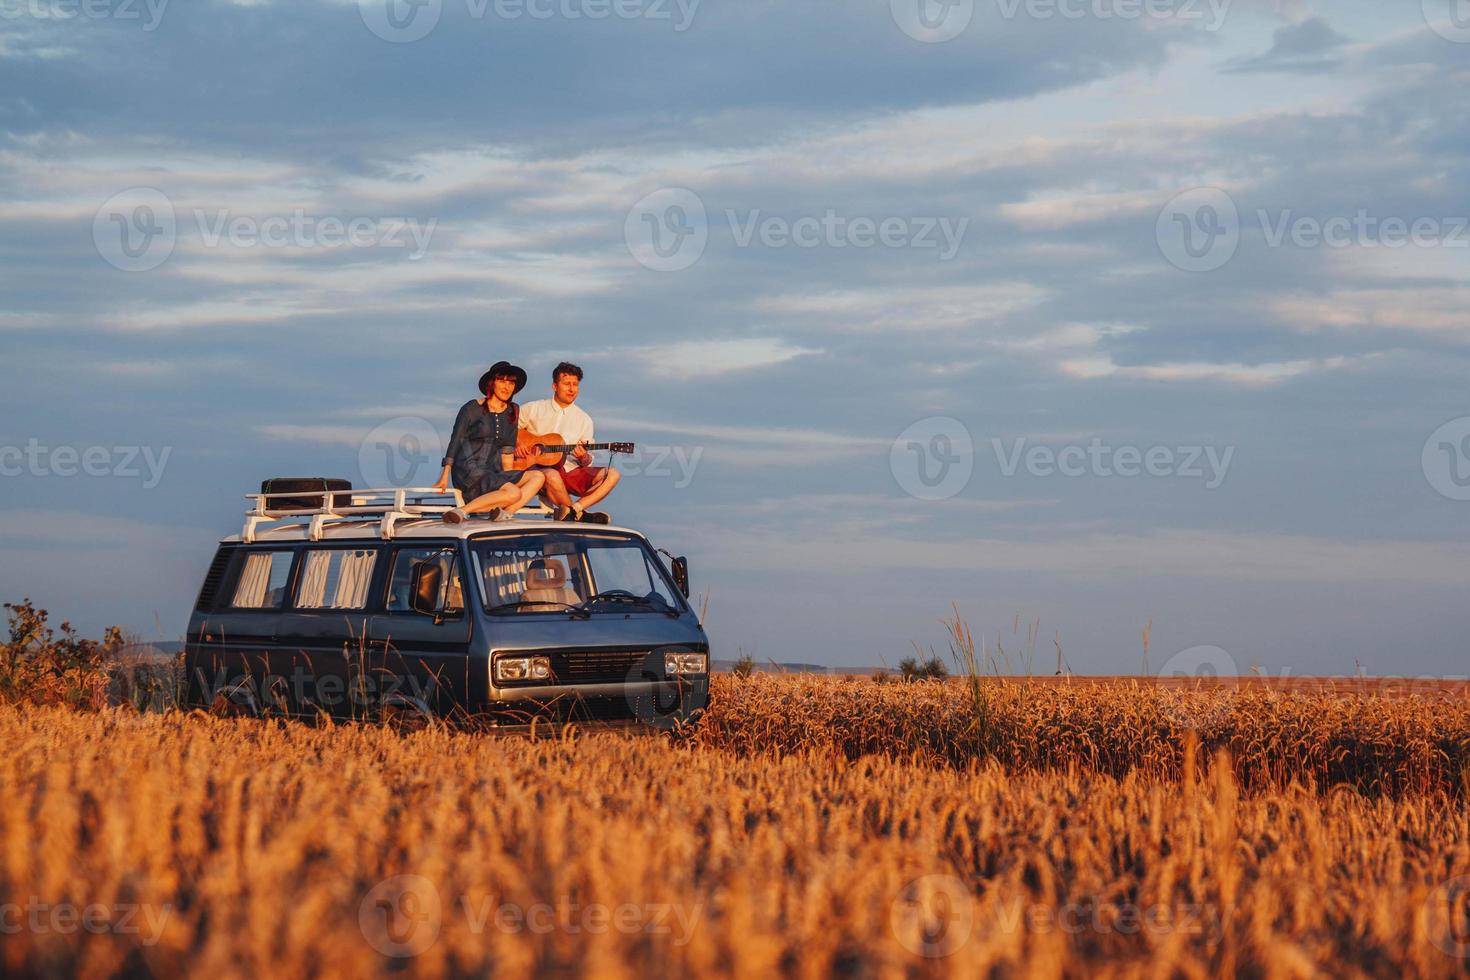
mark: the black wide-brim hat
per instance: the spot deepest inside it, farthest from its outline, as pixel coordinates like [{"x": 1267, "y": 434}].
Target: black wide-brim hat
[{"x": 499, "y": 368}]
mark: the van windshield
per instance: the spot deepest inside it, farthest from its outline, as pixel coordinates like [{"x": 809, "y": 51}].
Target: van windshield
[{"x": 549, "y": 572}]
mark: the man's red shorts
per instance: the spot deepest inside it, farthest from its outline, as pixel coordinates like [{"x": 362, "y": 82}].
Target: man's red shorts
[{"x": 581, "y": 480}]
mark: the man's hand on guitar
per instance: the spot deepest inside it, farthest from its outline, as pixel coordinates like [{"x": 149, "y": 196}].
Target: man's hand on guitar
[
  {"x": 525, "y": 452},
  {"x": 581, "y": 455}
]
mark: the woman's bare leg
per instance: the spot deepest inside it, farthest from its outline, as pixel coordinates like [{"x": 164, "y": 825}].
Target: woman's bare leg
[
  {"x": 528, "y": 487},
  {"x": 504, "y": 497}
]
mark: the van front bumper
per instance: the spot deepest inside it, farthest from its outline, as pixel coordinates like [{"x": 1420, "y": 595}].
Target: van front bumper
[{"x": 652, "y": 701}]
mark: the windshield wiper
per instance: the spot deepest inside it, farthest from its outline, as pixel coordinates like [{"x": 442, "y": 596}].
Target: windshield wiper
[
  {"x": 629, "y": 598},
  {"x": 574, "y": 610}
]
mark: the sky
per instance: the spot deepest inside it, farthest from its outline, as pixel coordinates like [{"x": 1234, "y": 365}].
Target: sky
[{"x": 1079, "y": 317}]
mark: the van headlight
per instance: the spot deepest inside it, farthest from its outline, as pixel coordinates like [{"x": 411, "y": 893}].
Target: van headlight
[
  {"x": 522, "y": 669},
  {"x": 686, "y": 663}
]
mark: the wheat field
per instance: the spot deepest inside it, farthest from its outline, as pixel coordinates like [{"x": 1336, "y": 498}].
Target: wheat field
[{"x": 810, "y": 828}]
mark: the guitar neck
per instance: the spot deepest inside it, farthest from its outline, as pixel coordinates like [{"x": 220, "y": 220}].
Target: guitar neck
[{"x": 591, "y": 447}]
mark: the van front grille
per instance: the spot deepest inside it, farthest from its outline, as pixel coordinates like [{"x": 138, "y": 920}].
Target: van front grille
[{"x": 598, "y": 666}]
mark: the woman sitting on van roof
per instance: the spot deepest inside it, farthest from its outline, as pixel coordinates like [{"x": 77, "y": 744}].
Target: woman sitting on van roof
[{"x": 484, "y": 436}]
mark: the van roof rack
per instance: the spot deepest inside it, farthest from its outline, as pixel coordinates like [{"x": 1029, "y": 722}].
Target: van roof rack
[{"x": 323, "y": 507}]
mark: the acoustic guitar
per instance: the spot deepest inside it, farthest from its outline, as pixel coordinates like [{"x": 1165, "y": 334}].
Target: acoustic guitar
[{"x": 549, "y": 449}]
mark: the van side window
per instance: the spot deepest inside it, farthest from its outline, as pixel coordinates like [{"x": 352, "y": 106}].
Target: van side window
[
  {"x": 262, "y": 580},
  {"x": 335, "y": 578},
  {"x": 400, "y": 585}
]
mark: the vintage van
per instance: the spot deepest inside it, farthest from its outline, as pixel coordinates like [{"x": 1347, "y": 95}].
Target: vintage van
[{"x": 365, "y": 604}]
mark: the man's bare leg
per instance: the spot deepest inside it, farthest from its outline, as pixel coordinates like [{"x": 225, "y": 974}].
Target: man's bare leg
[
  {"x": 555, "y": 492},
  {"x": 600, "y": 489}
]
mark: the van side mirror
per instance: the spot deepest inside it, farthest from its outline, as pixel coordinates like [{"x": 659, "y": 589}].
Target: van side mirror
[
  {"x": 681, "y": 575},
  {"x": 428, "y": 585}
]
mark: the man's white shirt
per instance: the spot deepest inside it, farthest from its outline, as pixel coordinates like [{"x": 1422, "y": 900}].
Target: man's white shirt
[{"x": 546, "y": 416}]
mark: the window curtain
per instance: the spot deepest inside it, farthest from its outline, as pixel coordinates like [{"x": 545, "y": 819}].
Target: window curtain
[
  {"x": 352, "y": 579},
  {"x": 250, "y": 593},
  {"x": 505, "y": 575},
  {"x": 313, "y": 590}
]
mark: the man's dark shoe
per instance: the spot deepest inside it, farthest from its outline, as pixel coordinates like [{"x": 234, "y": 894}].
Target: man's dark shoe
[
  {"x": 564, "y": 514},
  {"x": 595, "y": 517}
]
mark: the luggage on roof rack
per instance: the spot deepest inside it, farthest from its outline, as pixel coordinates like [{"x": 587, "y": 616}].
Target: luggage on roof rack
[{"x": 289, "y": 491}]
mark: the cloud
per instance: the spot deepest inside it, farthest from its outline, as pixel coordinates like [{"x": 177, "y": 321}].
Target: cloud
[
  {"x": 905, "y": 308},
  {"x": 695, "y": 359},
  {"x": 1231, "y": 374},
  {"x": 1432, "y": 311},
  {"x": 1308, "y": 47}
]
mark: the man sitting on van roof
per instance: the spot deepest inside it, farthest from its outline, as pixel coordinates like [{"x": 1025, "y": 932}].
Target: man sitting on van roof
[{"x": 560, "y": 415}]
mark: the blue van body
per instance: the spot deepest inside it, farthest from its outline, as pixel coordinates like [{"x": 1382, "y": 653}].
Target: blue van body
[{"x": 306, "y": 622}]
